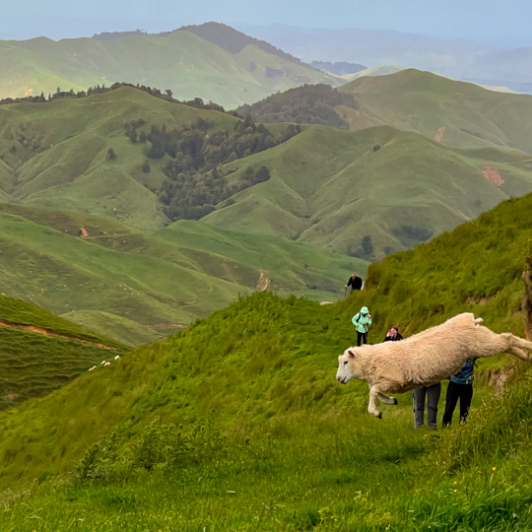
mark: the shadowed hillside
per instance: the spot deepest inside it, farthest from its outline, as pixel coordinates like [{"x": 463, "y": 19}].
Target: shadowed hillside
[{"x": 242, "y": 416}]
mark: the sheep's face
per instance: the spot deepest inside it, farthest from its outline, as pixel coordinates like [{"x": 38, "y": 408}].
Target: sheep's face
[{"x": 346, "y": 366}]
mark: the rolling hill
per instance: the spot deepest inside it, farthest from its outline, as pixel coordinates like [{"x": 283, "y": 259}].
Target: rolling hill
[
  {"x": 391, "y": 189},
  {"x": 457, "y": 114},
  {"x": 138, "y": 286},
  {"x": 211, "y": 61},
  {"x": 333, "y": 189},
  {"x": 241, "y": 415}
]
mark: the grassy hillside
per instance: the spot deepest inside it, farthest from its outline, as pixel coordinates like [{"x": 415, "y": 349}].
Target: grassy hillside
[
  {"x": 325, "y": 187},
  {"x": 238, "y": 422},
  {"x": 455, "y": 113},
  {"x": 137, "y": 286},
  {"x": 333, "y": 188},
  {"x": 190, "y": 62},
  {"x": 57, "y": 153},
  {"x": 40, "y": 352}
]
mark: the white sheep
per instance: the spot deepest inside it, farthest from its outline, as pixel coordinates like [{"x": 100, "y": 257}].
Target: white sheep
[
  {"x": 425, "y": 358},
  {"x": 107, "y": 364},
  {"x": 93, "y": 368},
  {"x": 117, "y": 357},
  {"x": 103, "y": 362}
]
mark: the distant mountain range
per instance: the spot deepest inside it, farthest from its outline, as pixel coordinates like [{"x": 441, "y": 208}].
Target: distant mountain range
[
  {"x": 211, "y": 61},
  {"x": 458, "y": 59}
]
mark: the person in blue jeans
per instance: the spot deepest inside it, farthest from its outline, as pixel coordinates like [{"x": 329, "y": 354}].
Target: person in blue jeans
[{"x": 460, "y": 387}]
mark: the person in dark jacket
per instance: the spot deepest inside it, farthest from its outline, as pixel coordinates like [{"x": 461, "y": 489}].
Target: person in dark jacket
[
  {"x": 393, "y": 335},
  {"x": 460, "y": 387},
  {"x": 355, "y": 282}
]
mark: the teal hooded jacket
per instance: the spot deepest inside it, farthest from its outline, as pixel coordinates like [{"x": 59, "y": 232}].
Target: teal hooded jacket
[{"x": 362, "y": 320}]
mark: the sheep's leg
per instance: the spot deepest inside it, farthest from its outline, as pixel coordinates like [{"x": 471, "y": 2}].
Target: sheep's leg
[
  {"x": 372, "y": 407},
  {"x": 517, "y": 344},
  {"x": 386, "y": 400},
  {"x": 491, "y": 344}
]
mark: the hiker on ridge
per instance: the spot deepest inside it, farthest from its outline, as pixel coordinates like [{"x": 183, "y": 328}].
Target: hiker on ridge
[
  {"x": 355, "y": 282},
  {"x": 362, "y": 322}
]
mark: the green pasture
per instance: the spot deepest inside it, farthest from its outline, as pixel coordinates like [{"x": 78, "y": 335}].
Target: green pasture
[
  {"x": 466, "y": 115},
  {"x": 238, "y": 423},
  {"x": 331, "y": 188},
  {"x": 136, "y": 286}
]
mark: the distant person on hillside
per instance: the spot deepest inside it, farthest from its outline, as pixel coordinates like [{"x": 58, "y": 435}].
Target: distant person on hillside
[
  {"x": 432, "y": 394},
  {"x": 362, "y": 322},
  {"x": 393, "y": 335},
  {"x": 460, "y": 387},
  {"x": 355, "y": 282}
]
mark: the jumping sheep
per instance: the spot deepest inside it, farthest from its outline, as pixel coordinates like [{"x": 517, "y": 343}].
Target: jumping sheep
[{"x": 425, "y": 358}]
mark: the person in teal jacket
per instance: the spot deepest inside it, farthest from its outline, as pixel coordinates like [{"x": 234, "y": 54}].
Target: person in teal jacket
[{"x": 362, "y": 322}]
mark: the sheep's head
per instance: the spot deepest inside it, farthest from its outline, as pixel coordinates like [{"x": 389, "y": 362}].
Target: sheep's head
[{"x": 347, "y": 366}]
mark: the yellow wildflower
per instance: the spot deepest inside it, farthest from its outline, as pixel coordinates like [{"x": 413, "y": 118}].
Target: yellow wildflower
[{"x": 494, "y": 468}]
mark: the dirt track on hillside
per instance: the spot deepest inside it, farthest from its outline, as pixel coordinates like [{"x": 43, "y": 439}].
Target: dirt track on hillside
[{"x": 49, "y": 332}]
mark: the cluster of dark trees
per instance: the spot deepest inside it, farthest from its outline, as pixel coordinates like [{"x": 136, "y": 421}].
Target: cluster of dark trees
[
  {"x": 99, "y": 89},
  {"x": 309, "y": 104},
  {"x": 194, "y": 195},
  {"x": 194, "y": 185}
]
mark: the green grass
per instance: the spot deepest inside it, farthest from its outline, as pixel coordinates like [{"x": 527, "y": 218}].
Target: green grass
[
  {"x": 329, "y": 188},
  {"x": 147, "y": 283},
  {"x": 238, "y": 423},
  {"x": 423, "y": 102}
]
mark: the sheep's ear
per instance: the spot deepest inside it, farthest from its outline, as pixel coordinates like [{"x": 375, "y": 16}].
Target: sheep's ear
[{"x": 351, "y": 354}]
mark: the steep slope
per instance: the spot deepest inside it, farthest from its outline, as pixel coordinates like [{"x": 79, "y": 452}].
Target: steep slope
[
  {"x": 333, "y": 189},
  {"x": 243, "y": 407},
  {"x": 40, "y": 352},
  {"x": 188, "y": 62},
  {"x": 455, "y": 113}
]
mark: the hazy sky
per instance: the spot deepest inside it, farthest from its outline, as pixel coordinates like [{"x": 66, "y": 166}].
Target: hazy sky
[{"x": 502, "y": 22}]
